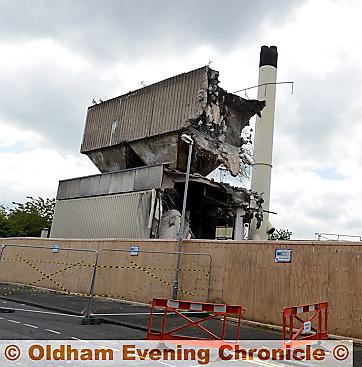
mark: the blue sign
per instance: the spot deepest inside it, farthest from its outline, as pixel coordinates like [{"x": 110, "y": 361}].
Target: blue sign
[
  {"x": 283, "y": 255},
  {"x": 134, "y": 250}
]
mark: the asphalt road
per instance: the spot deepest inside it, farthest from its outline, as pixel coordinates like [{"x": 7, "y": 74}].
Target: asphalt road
[
  {"x": 29, "y": 322},
  {"x": 32, "y": 321},
  {"x": 41, "y": 324},
  {"x": 133, "y": 317}
]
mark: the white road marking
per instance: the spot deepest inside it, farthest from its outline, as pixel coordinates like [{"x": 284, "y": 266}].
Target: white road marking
[
  {"x": 166, "y": 364},
  {"x": 80, "y": 340},
  {"x": 33, "y": 326},
  {"x": 262, "y": 363},
  {"x": 14, "y": 321},
  {"x": 52, "y": 331},
  {"x": 114, "y": 349},
  {"x": 1, "y": 318},
  {"x": 45, "y": 312}
]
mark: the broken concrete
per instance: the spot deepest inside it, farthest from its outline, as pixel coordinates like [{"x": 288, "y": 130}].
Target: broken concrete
[
  {"x": 146, "y": 130},
  {"x": 135, "y": 141},
  {"x": 217, "y": 131}
]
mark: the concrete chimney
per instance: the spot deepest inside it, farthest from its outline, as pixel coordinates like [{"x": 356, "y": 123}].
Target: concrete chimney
[{"x": 263, "y": 140}]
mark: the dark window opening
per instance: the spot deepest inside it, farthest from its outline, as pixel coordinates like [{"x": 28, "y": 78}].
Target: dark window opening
[
  {"x": 132, "y": 159},
  {"x": 207, "y": 208}
]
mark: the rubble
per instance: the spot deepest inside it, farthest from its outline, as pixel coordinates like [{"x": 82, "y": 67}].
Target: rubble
[
  {"x": 135, "y": 141},
  {"x": 143, "y": 127},
  {"x": 217, "y": 130}
]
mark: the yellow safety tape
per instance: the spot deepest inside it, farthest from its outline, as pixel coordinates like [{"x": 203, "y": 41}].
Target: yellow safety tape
[
  {"x": 12, "y": 290},
  {"x": 63, "y": 291},
  {"x": 150, "y": 268},
  {"x": 81, "y": 263},
  {"x": 23, "y": 289},
  {"x": 33, "y": 290},
  {"x": 159, "y": 279},
  {"x": 45, "y": 276},
  {"x": 45, "y": 261},
  {"x": 108, "y": 266}
]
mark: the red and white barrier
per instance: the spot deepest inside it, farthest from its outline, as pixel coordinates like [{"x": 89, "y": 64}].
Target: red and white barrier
[
  {"x": 182, "y": 308},
  {"x": 318, "y": 313}
]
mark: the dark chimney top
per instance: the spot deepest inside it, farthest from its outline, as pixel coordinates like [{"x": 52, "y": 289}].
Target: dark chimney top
[{"x": 268, "y": 56}]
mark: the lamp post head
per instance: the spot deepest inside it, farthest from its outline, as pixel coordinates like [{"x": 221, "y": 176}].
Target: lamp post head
[{"x": 187, "y": 139}]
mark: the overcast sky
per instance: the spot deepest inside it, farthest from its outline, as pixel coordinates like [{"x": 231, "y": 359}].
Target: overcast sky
[{"x": 56, "y": 56}]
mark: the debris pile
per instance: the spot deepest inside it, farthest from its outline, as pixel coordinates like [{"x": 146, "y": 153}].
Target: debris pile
[
  {"x": 143, "y": 127},
  {"x": 217, "y": 130}
]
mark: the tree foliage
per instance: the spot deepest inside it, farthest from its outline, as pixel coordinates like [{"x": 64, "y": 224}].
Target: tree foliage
[
  {"x": 4, "y": 224},
  {"x": 26, "y": 219},
  {"x": 281, "y": 235}
]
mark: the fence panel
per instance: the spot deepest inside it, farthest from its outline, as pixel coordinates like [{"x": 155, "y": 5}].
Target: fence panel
[
  {"x": 39, "y": 275},
  {"x": 142, "y": 275}
]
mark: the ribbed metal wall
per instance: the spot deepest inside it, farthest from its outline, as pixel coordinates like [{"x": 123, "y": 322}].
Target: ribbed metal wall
[
  {"x": 155, "y": 109},
  {"x": 140, "y": 179},
  {"x": 111, "y": 216}
]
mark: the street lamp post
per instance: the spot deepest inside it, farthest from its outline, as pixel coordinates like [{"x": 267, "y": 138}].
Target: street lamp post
[{"x": 180, "y": 236}]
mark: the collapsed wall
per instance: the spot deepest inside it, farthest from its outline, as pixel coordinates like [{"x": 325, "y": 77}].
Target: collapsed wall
[
  {"x": 143, "y": 127},
  {"x": 146, "y": 203},
  {"x": 135, "y": 141}
]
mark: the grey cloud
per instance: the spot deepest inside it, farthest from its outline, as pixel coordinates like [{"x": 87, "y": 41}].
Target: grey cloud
[
  {"x": 48, "y": 101},
  {"x": 53, "y": 103},
  {"x": 318, "y": 126},
  {"x": 351, "y": 224},
  {"x": 323, "y": 210},
  {"x": 131, "y": 29}
]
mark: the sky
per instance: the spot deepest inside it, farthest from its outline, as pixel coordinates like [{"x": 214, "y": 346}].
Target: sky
[{"x": 57, "y": 56}]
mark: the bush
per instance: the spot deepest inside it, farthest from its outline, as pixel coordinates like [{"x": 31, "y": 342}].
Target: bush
[
  {"x": 280, "y": 235},
  {"x": 27, "y": 219}
]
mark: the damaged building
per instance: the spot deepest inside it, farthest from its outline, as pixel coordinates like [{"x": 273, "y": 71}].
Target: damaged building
[{"x": 135, "y": 142}]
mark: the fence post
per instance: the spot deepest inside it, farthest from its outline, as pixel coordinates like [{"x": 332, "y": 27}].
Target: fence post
[
  {"x": 88, "y": 312},
  {"x": 177, "y": 275}
]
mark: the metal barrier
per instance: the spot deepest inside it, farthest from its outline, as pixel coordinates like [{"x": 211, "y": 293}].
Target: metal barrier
[
  {"x": 142, "y": 270},
  {"x": 35, "y": 272},
  {"x": 180, "y": 308},
  {"x": 134, "y": 270},
  {"x": 316, "y": 312},
  {"x": 320, "y": 236}
]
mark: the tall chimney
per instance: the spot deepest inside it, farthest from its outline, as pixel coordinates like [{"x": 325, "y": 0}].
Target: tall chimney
[{"x": 263, "y": 140}]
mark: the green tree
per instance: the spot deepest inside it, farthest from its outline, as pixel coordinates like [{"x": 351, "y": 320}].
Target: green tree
[
  {"x": 42, "y": 207},
  {"x": 4, "y": 223},
  {"x": 26, "y": 219},
  {"x": 281, "y": 235}
]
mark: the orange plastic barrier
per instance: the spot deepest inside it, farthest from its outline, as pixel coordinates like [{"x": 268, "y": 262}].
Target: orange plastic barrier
[
  {"x": 317, "y": 311},
  {"x": 184, "y": 310}
]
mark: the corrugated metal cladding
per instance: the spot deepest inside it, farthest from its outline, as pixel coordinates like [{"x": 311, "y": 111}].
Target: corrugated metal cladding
[
  {"x": 111, "y": 216},
  {"x": 155, "y": 109},
  {"x": 140, "y": 179}
]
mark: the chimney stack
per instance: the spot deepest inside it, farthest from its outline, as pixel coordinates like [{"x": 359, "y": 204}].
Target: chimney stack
[{"x": 263, "y": 140}]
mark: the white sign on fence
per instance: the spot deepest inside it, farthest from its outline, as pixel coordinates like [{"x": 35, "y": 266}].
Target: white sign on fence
[
  {"x": 134, "y": 250},
  {"x": 307, "y": 327},
  {"x": 283, "y": 255}
]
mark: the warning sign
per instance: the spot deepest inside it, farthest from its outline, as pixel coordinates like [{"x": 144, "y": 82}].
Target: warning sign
[
  {"x": 283, "y": 255},
  {"x": 307, "y": 327}
]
